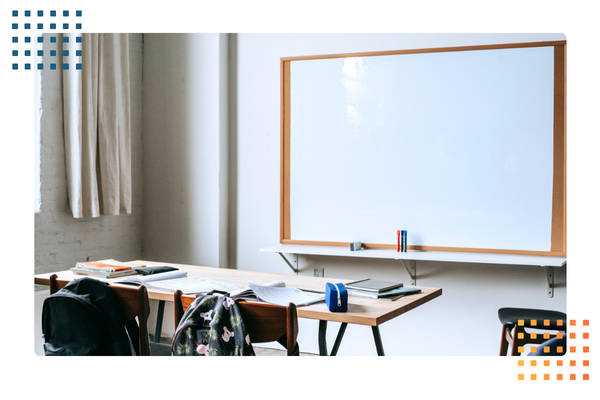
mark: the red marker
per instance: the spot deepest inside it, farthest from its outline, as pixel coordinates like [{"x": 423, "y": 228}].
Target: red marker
[{"x": 398, "y": 248}]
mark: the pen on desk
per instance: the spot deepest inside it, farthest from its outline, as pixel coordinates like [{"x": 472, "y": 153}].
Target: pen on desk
[{"x": 312, "y": 291}]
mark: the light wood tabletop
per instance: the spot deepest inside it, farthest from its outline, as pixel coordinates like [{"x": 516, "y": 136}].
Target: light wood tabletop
[{"x": 361, "y": 311}]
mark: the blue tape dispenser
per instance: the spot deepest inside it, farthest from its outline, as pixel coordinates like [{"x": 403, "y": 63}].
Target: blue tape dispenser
[{"x": 336, "y": 297}]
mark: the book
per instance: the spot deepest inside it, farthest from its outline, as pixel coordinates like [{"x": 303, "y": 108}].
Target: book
[
  {"x": 282, "y": 295},
  {"x": 103, "y": 274},
  {"x": 106, "y": 268},
  {"x": 108, "y": 265},
  {"x": 373, "y": 285},
  {"x": 392, "y": 294}
]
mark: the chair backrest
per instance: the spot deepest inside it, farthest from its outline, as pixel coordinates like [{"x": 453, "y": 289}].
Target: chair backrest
[
  {"x": 264, "y": 322},
  {"x": 133, "y": 302}
]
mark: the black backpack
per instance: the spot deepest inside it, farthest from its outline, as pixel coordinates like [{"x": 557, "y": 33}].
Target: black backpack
[{"x": 84, "y": 318}]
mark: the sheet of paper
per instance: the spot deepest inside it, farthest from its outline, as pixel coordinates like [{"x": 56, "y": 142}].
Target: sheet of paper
[
  {"x": 284, "y": 295},
  {"x": 191, "y": 284}
]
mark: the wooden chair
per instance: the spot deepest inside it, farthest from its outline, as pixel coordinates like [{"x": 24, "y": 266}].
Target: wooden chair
[
  {"x": 517, "y": 319},
  {"x": 264, "y": 322},
  {"x": 134, "y": 303}
]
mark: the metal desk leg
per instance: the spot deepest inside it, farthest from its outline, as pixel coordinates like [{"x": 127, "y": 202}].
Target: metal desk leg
[
  {"x": 378, "y": 343},
  {"x": 322, "y": 338},
  {"x": 323, "y": 341},
  {"x": 338, "y": 339},
  {"x": 159, "y": 320}
]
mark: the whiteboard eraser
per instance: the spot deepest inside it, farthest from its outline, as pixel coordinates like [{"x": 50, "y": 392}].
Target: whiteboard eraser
[{"x": 354, "y": 246}]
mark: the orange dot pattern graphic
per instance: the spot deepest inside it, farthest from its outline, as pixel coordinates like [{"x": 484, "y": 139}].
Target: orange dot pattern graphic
[{"x": 572, "y": 366}]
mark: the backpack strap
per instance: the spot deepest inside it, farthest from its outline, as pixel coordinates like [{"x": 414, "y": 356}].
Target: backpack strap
[
  {"x": 212, "y": 292},
  {"x": 133, "y": 330}
]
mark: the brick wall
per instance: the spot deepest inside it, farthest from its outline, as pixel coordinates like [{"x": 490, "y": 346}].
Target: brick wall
[{"x": 60, "y": 239}]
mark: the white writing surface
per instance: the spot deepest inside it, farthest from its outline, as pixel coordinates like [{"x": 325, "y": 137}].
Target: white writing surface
[{"x": 455, "y": 147}]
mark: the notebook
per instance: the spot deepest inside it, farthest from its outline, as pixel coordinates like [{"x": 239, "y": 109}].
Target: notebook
[{"x": 373, "y": 285}]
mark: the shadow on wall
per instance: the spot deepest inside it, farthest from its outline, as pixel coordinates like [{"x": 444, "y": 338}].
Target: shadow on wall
[{"x": 233, "y": 151}]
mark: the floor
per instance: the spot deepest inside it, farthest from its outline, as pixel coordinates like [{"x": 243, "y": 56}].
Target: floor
[
  {"x": 164, "y": 349},
  {"x": 263, "y": 351}
]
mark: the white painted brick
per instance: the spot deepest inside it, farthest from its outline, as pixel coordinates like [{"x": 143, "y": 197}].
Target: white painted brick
[
  {"x": 53, "y": 200},
  {"x": 58, "y": 182},
  {"x": 60, "y": 239}
]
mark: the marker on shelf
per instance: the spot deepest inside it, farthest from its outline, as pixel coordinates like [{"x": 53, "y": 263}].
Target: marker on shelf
[
  {"x": 398, "y": 247},
  {"x": 404, "y": 241}
]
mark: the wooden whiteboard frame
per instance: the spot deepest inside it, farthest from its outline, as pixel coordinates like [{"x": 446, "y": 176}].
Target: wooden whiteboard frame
[{"x": 558, "y": 245}]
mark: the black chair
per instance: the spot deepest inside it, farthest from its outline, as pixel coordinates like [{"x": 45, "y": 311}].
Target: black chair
[{"x": 515, "y": 320}]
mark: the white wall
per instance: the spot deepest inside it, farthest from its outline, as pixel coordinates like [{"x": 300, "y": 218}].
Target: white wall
[
  {"x": 463, "y": 321},
  {"x": 184, "y": 156},
  {"x": 60, "y": 239},
  {"x": 185, "y": 148}
]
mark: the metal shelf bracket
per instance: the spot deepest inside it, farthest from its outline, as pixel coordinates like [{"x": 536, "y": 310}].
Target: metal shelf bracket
[
  {"x": 412, "y": 270},
  {"x": 293, "y": 264},
  {"x": 550, "y": 280}
]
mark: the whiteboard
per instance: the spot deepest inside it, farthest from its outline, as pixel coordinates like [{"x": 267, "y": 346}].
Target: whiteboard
[{"x": 457, "y": 148}]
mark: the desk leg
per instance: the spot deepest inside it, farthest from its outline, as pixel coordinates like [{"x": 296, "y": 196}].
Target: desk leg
[
  {"x": 322, "y": 338},
  {"x": 338, "y": 339},
  {"x": 378, "y": 343},
  {"x": 159, "y": 320}
]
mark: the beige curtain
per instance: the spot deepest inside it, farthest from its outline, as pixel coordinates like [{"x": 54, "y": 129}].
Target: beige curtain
[{"x": 97, "y": 125}]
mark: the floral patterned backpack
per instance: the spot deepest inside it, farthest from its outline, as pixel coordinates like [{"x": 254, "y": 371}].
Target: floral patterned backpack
[{"x": 211, "y": 326}]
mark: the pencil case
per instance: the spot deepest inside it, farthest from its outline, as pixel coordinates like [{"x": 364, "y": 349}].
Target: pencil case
[{"x": 336, "y": 297}]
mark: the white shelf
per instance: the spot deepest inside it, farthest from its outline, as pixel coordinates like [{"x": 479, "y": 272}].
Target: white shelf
[
  {"x": 414, "y": 255},
  {"x": 448, "y": 256}
]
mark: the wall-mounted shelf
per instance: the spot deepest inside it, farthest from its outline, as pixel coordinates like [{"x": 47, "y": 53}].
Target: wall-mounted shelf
[{"x": 409, "y": 259}]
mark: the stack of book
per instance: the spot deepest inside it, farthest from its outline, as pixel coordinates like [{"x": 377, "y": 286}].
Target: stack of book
[
  {"x": 106, "y": 268},
  {"x": 379, "y": 289}
]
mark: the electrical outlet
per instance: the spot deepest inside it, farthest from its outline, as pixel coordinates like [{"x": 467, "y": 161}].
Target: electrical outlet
[{"x": 319, "y": 272}]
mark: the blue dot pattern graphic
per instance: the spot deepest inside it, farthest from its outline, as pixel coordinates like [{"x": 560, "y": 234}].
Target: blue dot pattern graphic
[{"x": 44, "y": 26}]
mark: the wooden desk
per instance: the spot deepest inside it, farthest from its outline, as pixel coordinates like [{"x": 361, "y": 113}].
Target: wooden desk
[{"x": 361, "y": 311}]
